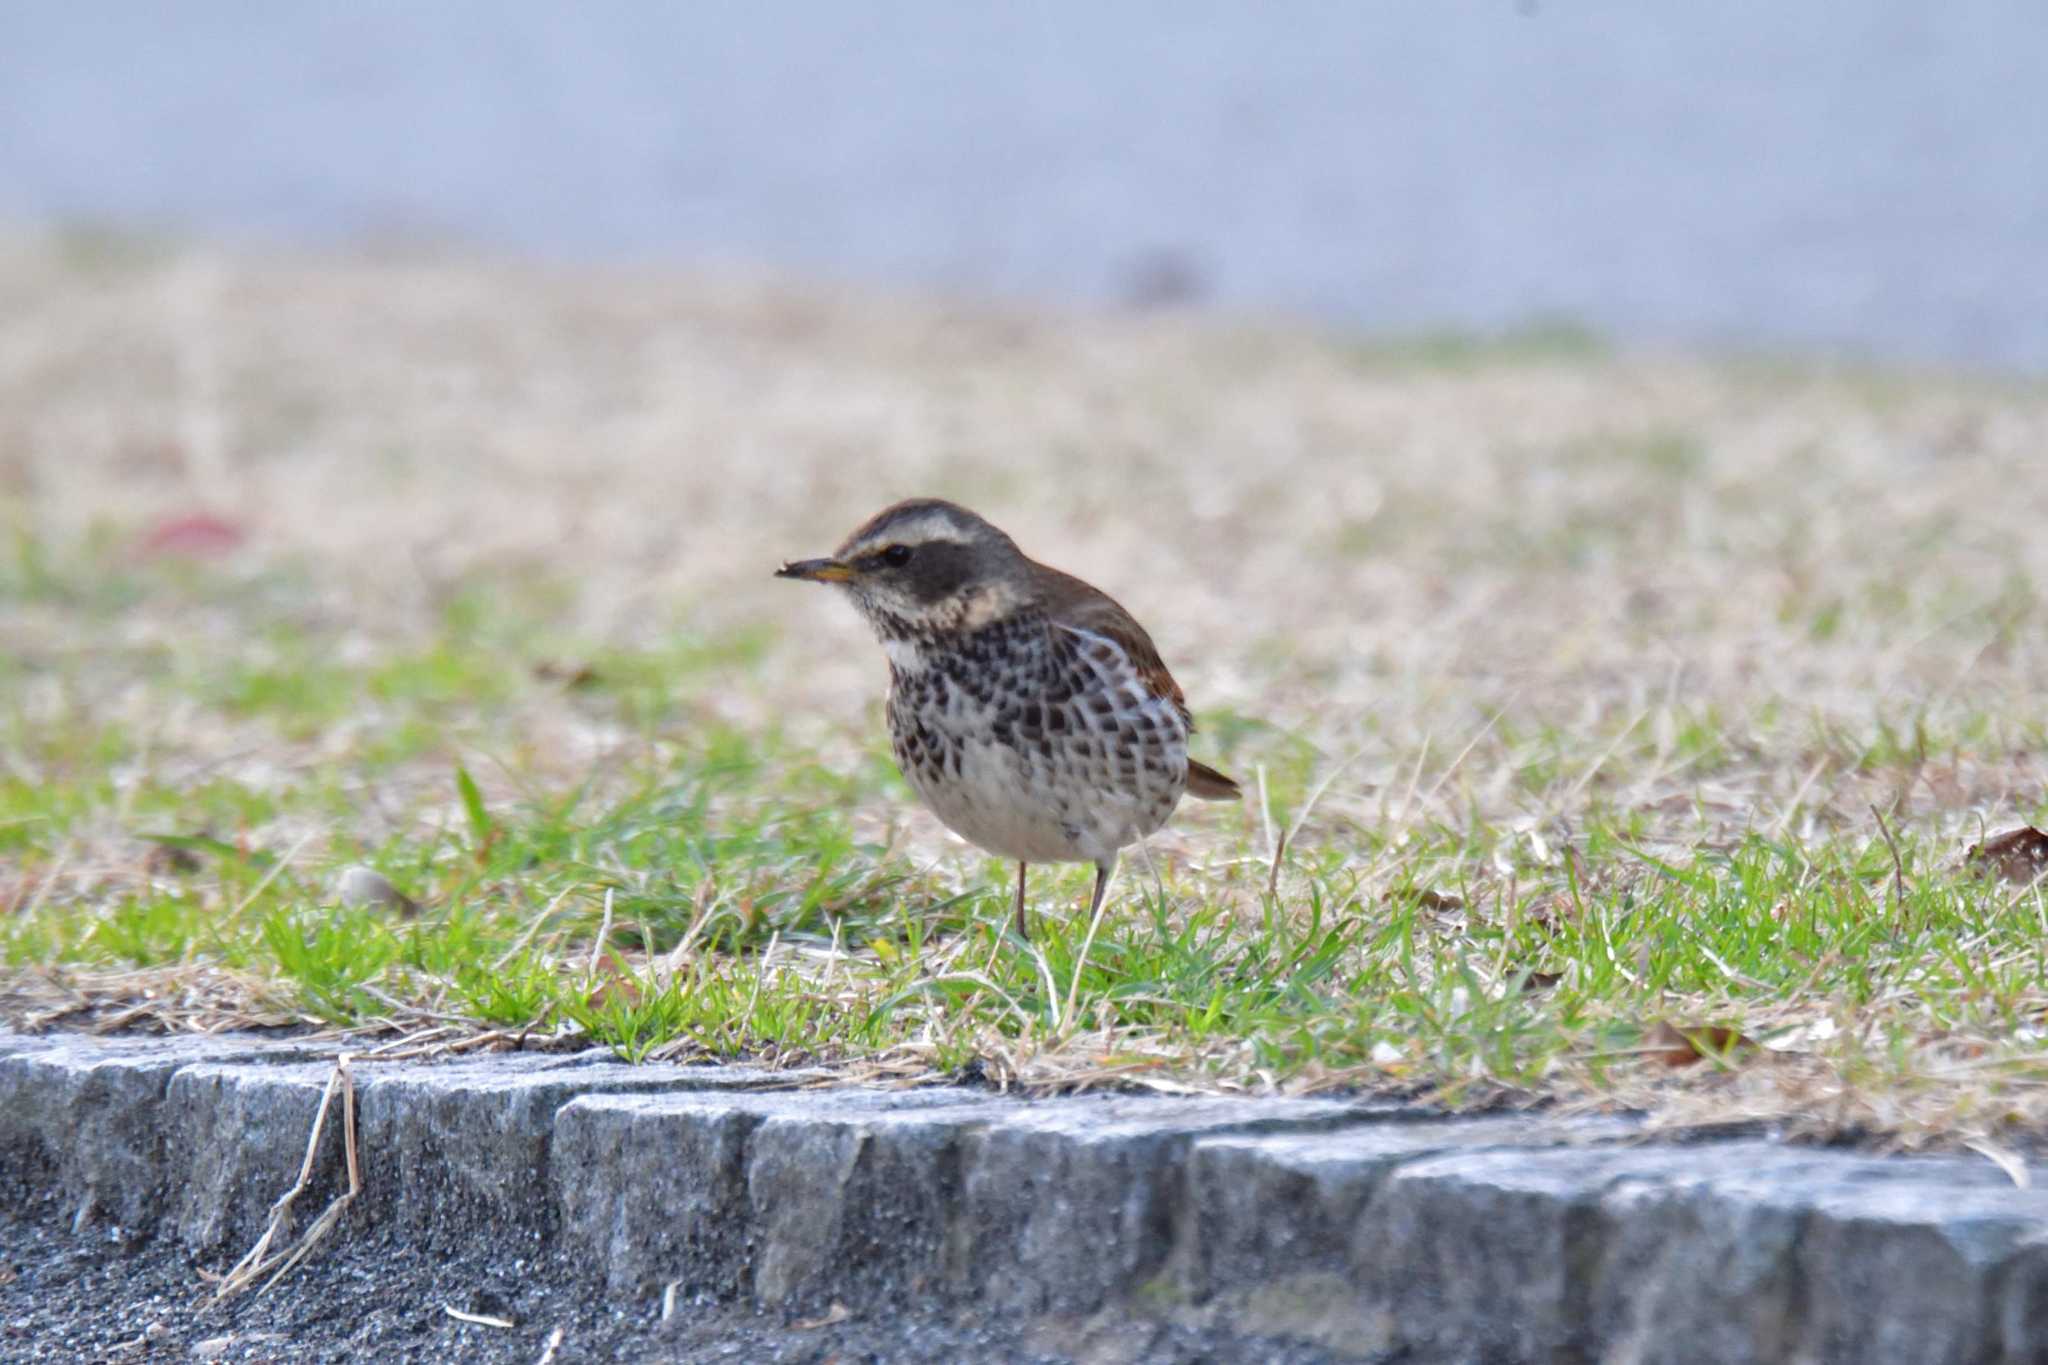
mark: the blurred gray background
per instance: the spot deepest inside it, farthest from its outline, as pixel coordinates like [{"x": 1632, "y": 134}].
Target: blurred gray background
[{"x": 1863, "y": 177}]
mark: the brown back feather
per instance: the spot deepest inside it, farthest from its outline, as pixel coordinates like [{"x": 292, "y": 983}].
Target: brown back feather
[{"x": 1070, "y": 601}]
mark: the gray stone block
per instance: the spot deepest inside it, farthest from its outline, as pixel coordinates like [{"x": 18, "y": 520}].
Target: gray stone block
[
  {"x": 866, "y": 1196},
  {"x": 234, "y": 1139},
  {"x": 81, "y": 1121},
  {"x": 1070, "y": 1204},
  {"x": 12, "y": 1043},
  {"x": 1676, "y": 1265},
  {"x": 788, "y": 1198},
  {"x": 453, "y": 1153},
  {"x": 462, "y": 1150},
  {"x": 863, "y": 1209},
  {"x": 1348, "y": 1229},
  {"x": 1494, "y": 1252},
  {"x": 1268, "y": 1237},
  {"x": 1950, "y": 1249},
  {"x": 1733, "y": 1251}
]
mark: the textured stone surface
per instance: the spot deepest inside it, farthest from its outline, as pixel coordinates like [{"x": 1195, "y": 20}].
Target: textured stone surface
[
  {"x": 81, "y": 1119},
  {"x": 774, "y": 1196},
  {"x": 451, "y": 1151},
  {"x": 1733, "y": 1251},
  {"x": 795, "y": 1201},
  {"x": 234, "y": 1139},
  {"x": 471, "y": 1143},
  {"x": 12, "y": 1043},
  {"x": 859, "y": 1209},
  {"x": 1270, "y": 1220},
  {"x": 1337, "y": 1230},
  {"x": 1067, "y": 1204}
]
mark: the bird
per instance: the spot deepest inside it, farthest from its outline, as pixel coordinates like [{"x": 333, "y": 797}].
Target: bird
[{"x": 1026, "y": 708}]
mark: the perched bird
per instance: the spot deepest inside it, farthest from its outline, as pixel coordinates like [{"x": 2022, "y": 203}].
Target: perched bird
[{"x": 1027, "y": 708}]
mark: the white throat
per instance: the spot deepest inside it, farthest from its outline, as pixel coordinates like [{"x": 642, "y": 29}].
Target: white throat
[{"x": 904, "y": 656}]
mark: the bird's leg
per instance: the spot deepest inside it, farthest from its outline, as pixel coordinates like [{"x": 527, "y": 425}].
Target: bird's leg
[
  {"x": 1102, "y": 871},
  {"x": 1023, "y": 925}
]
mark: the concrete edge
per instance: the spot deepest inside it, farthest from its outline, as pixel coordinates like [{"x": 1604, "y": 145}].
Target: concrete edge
[{"x": 1363, "y": 1229}]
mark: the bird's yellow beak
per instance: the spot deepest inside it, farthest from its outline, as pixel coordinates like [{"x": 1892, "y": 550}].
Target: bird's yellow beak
[{"x": 817, "y": 570}]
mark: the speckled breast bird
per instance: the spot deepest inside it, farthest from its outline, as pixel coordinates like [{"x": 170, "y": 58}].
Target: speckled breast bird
[{"x": 1027, "y": 709}]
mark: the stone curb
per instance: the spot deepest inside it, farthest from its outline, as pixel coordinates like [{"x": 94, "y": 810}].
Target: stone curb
[{"x": 1364, "y": 1230}]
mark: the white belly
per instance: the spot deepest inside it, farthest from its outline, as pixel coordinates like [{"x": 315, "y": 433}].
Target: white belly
[{"x": 1010, "y": 806}]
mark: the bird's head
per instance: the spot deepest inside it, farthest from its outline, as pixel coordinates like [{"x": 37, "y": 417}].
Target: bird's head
[{"x": 925, "y": 566}]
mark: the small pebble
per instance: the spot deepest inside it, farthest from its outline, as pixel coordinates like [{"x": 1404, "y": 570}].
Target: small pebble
[{"x": 364, "y": 887}]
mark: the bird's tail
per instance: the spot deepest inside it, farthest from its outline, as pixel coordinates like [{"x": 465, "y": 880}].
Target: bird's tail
[{"x": 1210, "y": 785}]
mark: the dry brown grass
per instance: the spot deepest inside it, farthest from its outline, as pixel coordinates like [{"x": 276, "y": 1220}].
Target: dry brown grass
[
  {"x": 1515, "y": 590},
  {"x": 1373, "y": 551}
]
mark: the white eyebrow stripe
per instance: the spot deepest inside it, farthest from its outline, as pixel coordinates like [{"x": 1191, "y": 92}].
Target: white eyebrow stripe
[{"x": 929, "y": 529}]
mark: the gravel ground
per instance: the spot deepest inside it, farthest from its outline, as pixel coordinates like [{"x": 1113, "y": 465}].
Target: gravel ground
[{"x": 78, "y": 1298}]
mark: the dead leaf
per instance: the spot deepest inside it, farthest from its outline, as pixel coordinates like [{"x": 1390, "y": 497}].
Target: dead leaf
[
  {"x": 1547, "y": 914},
  {"x": 838, "y": 1312},
  {"x": 1540, "y": 981},
  {"x": 170, "y": 860},
  {"x": 1684, "y": 1044},
  {"x": 196, "y": 848},
  {"x": 565, "y": 673},
  {"x": 1426, "y": 898},
  {"x": 614, "y": 981},
  {"x": 196, "y": 535},
  {"x": 2018, "y": 856}
]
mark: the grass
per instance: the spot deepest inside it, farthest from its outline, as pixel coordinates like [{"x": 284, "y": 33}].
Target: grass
[
  {"x": 720, "y": 892},
  {"x": 1613, "y": 729}
]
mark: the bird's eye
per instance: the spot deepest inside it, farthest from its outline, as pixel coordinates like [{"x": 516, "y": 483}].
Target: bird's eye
[{"x": 896, "y": 556}]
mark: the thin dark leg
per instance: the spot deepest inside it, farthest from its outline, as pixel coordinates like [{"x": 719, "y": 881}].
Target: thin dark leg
[
  {"x": 1102, "y": 871},
  {"x": 1023, "y": 924}
]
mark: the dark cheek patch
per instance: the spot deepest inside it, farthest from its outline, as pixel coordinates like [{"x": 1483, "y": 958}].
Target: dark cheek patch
[{"x": 937, "y": 572}]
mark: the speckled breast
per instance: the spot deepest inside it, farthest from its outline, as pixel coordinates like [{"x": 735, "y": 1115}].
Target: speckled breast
[{"x": 1036, "y": 742}]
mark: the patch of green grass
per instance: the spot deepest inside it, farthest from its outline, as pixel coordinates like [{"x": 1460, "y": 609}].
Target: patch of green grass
[
  {"x": 518, "y": 993},
  {"x": 330, "y": 955},
  {"x": 86, "y": 575},
  {"x": 799, "y": 938},
  {"x": 1515, "y": 910}
]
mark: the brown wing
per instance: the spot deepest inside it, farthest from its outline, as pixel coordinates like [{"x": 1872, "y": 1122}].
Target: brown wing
[{"x": 1071, "y": 602}]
